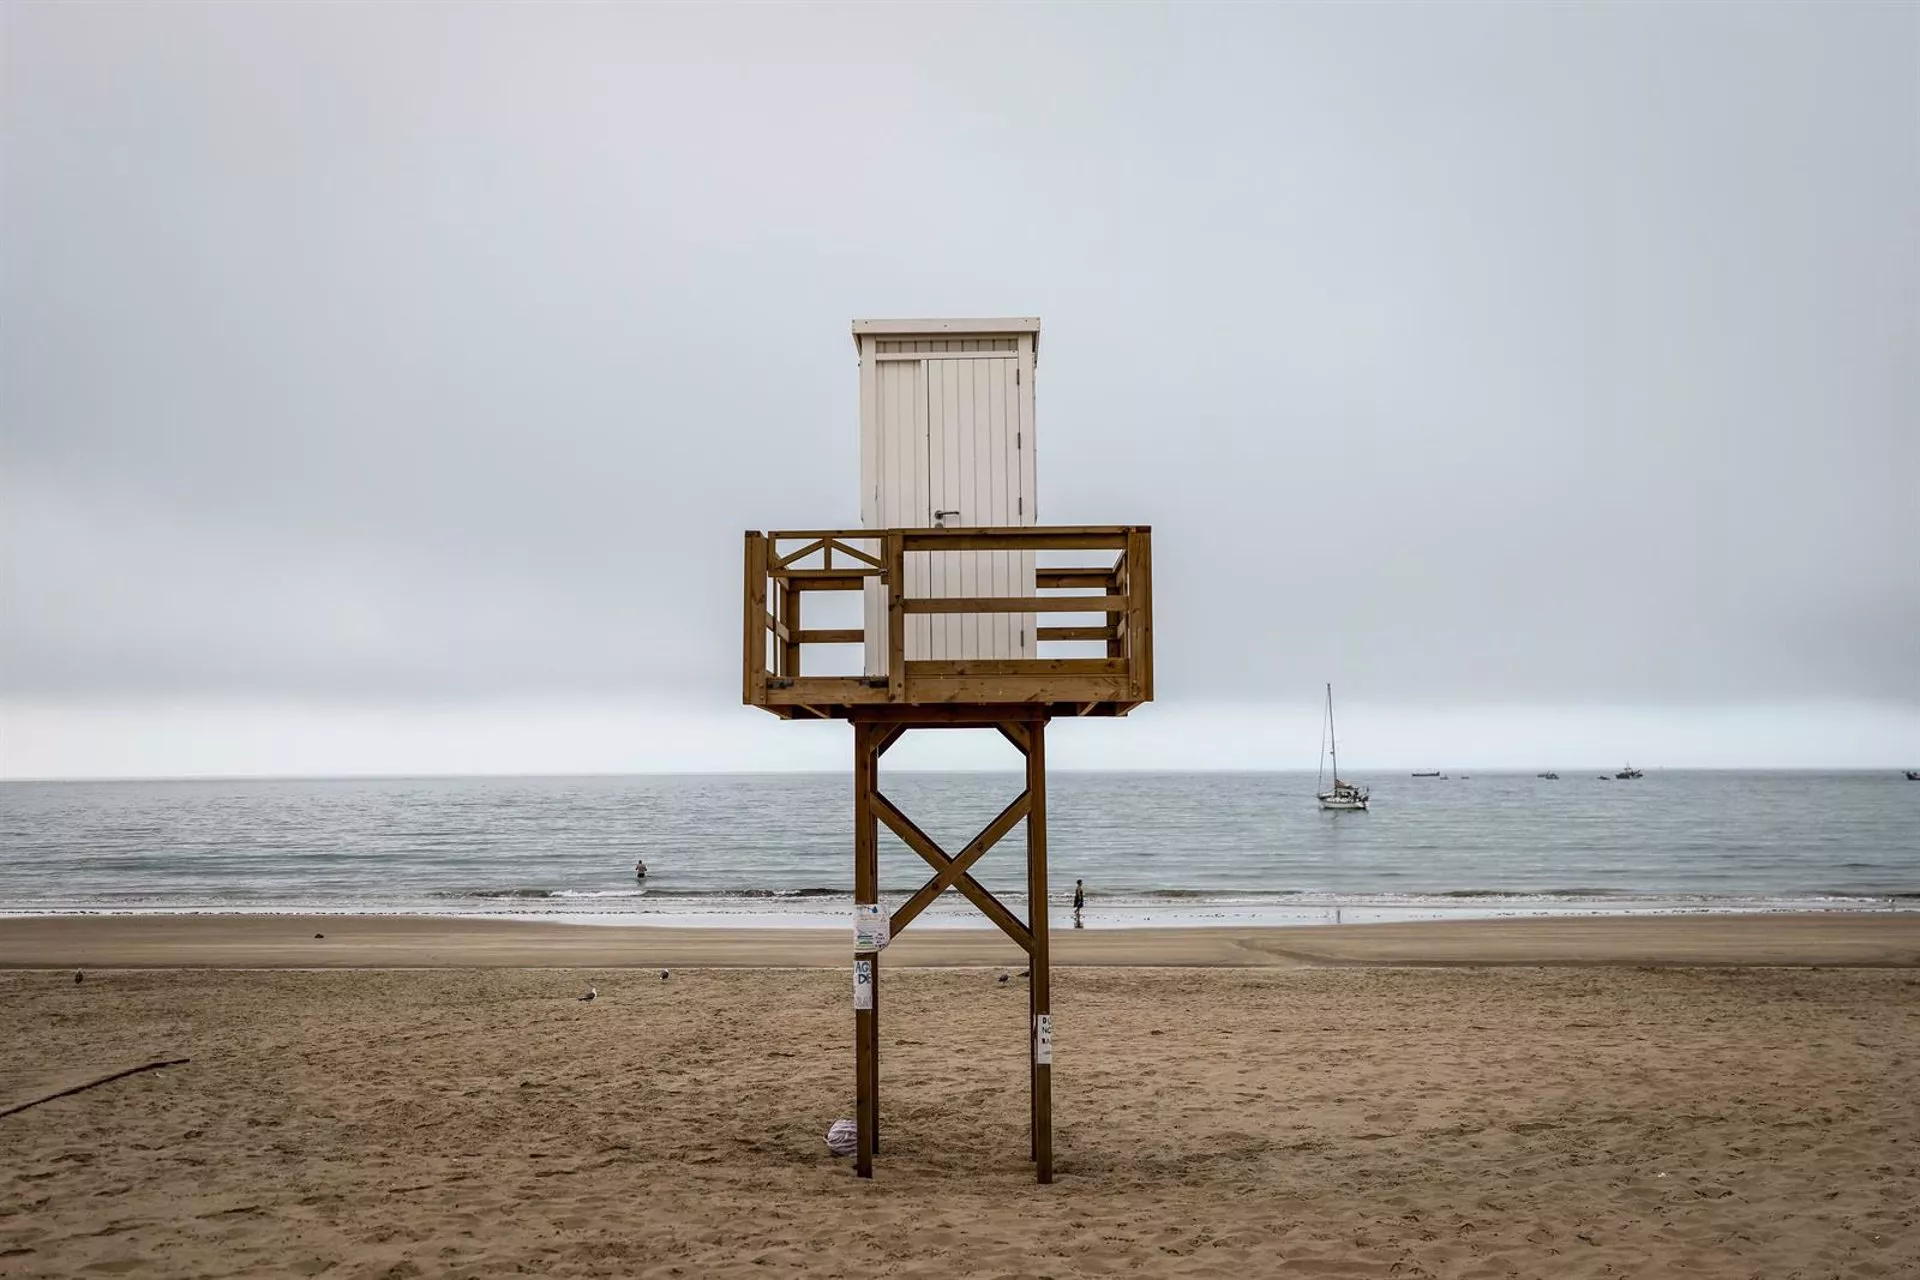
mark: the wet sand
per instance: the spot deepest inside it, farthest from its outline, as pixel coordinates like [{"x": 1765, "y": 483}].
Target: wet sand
[{"x": 219, "y": 941}]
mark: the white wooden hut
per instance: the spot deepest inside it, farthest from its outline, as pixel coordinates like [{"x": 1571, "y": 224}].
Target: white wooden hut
[{"x": 946, "y": 441}]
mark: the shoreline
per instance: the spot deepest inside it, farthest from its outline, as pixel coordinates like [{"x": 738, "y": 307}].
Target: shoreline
[
  {"x": 829, "y": 911},
  {"x": 1848, "y": 939}
]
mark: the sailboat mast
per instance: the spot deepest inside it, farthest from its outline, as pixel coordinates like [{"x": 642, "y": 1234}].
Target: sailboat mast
[{"x": 1333, "y": 737}]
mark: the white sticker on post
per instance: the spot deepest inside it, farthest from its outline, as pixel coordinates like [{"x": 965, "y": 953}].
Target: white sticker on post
[
  {"x": 863, "y": 984},
  {"x": 1043, "y": 1039},
  {"x": 869, "y": 927}
]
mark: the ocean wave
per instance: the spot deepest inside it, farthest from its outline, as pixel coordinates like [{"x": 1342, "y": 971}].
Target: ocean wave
[
  {"x": 491, "y": 894},
  {"x": 1580, "y": 892},
  {"x": 536, "y": 895}
]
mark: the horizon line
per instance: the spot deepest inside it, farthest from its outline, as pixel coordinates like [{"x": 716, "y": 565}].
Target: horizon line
[{"x": 1495, "y": 770}]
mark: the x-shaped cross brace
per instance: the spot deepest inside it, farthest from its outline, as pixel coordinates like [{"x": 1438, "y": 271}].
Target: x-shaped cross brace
[{"x": 953, "y": 871}]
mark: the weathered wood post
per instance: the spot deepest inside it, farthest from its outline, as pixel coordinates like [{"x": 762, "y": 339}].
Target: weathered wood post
[
  {"x": 866, "y": 959},
  {"x": 1040, "y": 970}
]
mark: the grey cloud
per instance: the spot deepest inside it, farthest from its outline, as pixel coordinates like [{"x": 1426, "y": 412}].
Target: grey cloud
[{"x": 1455, "y": 354}]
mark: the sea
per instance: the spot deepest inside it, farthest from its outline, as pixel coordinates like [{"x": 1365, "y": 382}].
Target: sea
[{"x": 1157, "y": 849}]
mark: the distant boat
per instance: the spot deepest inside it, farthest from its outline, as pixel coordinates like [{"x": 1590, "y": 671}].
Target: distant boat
[
  {"x": 1344, "y": 795},
  {"x": 1436, "y": 773},
  {"x": 1913, "y": 775},
  {"x": 1629, "y": 772},
  {"x": 1550, "y": 777}
]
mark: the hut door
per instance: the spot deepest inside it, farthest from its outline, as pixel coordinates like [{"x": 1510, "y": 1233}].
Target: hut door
[
  {"x": 954, "y": 451},
  {"x": 975, "y": 439}
]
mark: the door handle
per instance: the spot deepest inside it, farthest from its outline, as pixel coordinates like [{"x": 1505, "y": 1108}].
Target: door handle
[{"x": 940, "y": 518}]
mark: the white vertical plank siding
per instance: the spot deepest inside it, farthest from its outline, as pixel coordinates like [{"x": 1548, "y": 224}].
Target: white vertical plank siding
[
  {"x": 980, "y": 511},
  {"x": 992, "y": 379},
  {"x": 964, "y": 634},
  {"x": 900, "y": 420},
  {"x": 920, "y": 570},
  {"x": 978, "y": 646},
  {"x": 947, "y": 432}
]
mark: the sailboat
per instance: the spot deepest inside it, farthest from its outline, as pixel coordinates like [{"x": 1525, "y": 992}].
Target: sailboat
[{"x": 1344, "y": 795}]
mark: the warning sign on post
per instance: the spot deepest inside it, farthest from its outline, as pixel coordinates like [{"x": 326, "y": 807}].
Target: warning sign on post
[
  {"x": 869, "y": 927},
  {"x": 863, "y": 984},
  {"x": 1043, "y": 1039}
]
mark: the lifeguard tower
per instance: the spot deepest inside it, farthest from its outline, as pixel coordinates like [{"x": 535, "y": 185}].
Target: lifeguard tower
[{"x": 963, "y": 628}]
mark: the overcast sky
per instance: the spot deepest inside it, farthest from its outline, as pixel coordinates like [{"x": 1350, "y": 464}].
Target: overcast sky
[{"x": 386, "y": 388}]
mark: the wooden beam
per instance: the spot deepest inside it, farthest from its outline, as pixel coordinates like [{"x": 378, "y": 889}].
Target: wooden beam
[
  {"x": 885, "y": 736},
  {"x": 896, "y": 575},
  {"x": 1139, "y": 617},
  {"x": 826, "y": 579},
  {"x": 782, "y": 561},
  {"x": 930, "y": 892},
  {"x": 866, "y": 888},
  {"x": 851, "y": 635},
  {"x": 924, "y": 691},
  {"x": 1017, "y": 604},
  {"x": 1039, "y": 971},
  {"x": 939, "y": 716},
  {"x": 943, "y": 669},
  {"x": 1075, "y": 633},
  {"x": 1015, "y": 733},
  {"x": 837, "y": 535},
  {"x": 1015, "y": 538},
  {"x": 818, "y": 691},
  {"x": 753, "y": 658},
  {"x": 788, "y": 629},
  {"x": 1073, "y": 579},
  {"x": 788, "y": 705},
  {"x": 921, "y": 843},
  {"x": 822, "y": 575},
  {"x": 1012, "y": 535},
  {"x": 835, "y": 544}
]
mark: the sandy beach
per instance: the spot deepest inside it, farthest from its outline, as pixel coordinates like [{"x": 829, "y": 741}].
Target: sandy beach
[{"x": 1604, "y": 1097}]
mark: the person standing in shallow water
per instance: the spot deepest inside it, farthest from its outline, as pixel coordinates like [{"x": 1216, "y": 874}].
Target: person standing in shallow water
[{"x": 1079, "y": 902}]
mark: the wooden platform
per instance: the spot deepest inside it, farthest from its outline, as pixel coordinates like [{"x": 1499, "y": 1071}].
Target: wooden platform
[{"x": 1103, "y": 600}]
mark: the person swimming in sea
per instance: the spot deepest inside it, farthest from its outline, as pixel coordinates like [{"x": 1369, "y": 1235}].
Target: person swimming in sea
[{"x": 640, "y": 870}]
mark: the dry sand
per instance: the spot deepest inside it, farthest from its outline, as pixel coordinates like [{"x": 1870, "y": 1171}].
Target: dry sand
[{"x": 1280, "y": 1118}]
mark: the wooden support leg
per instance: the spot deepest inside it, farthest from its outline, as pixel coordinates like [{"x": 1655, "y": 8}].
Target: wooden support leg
[
  {"x": 865, "y": 889},
  {"x": 1040, "y": 986},
  {"x": 1033, "y": 1072}
]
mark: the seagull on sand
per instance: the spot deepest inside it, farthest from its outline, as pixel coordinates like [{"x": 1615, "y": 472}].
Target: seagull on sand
[
  {"x": 665, "y": 974},
  {"x": 78, "y": 977},
  {"x": 591, "y": 993}
]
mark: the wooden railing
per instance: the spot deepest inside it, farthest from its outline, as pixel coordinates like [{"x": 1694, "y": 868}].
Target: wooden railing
[{"x": 1112, "y": 582}]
